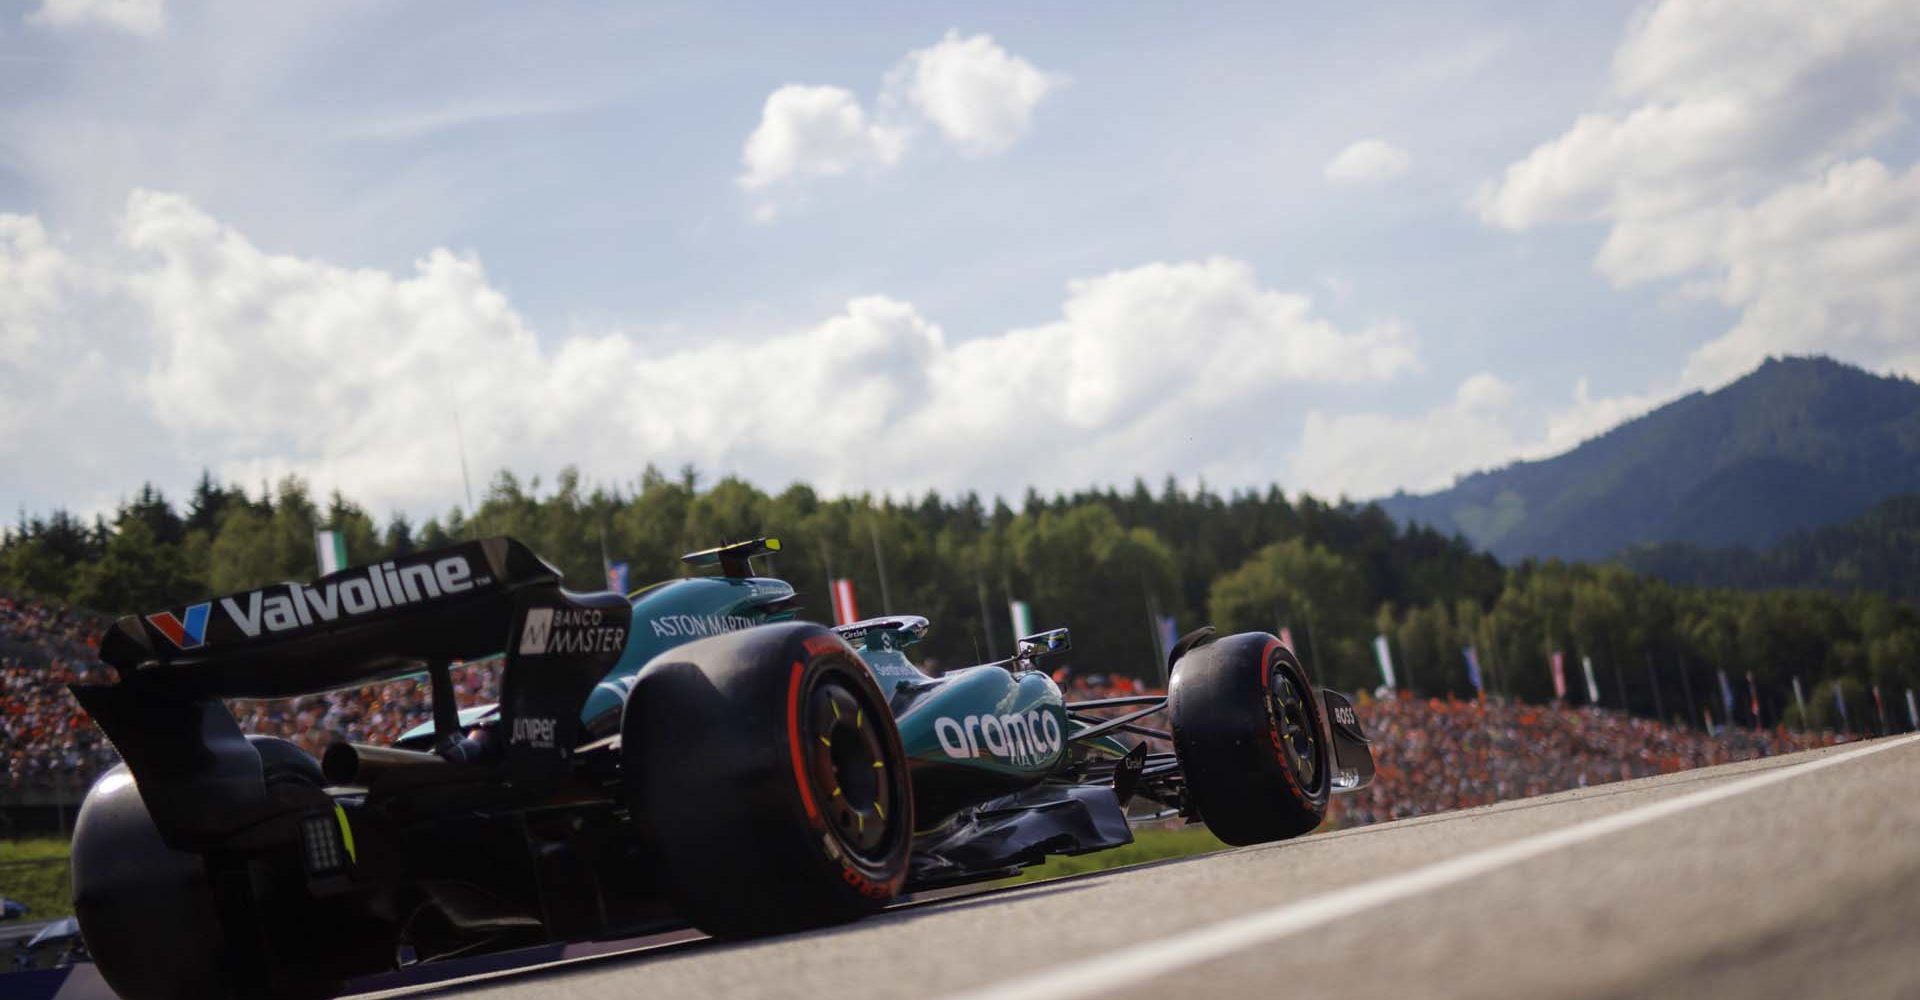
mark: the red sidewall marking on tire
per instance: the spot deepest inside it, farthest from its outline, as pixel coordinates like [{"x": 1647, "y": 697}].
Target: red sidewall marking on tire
[
  {"x": 793, "y": 742},
  {"x": 1267, "y": 666},
  {"x": 1267, "y": 660}
]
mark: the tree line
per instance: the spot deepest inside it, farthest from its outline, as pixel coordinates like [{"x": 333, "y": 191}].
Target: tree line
[{"x": 1104, "y": 562}]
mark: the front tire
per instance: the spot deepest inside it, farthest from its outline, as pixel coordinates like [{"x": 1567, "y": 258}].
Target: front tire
[
  {"x": 1250, "y": 739},
  {"x": 768, "y": 769}
]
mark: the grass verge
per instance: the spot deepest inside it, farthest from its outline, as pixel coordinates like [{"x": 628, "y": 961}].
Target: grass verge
[
  {"x": 34, "y": 872},
  {"x": 1148, "y": 845}
]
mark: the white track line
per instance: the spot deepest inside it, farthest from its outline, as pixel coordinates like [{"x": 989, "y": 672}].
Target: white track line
[{"x": 1137, "y": 963}]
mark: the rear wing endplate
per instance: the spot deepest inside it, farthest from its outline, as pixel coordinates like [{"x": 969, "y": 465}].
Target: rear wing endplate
[{"x": 1352, "y": 750}]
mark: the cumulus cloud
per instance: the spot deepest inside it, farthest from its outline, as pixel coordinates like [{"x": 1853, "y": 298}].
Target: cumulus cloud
[
  {"x": 979, "y": 95},
  {"x": 206, "y": 350},
  {"x": 1374, "y": 454},
  {"x": 1738, "y": 137},
  {"x": 139, "y": 17},
  {"x": 815, "y": 132},
  {"x": 1367, "y": 161}
]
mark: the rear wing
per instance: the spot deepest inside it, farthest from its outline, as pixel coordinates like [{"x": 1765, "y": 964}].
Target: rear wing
[
  {"x": 358, "y": 625},
  {"x": 201, "y": 779}
]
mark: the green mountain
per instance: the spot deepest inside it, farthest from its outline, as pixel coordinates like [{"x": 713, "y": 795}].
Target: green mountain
[
  {"x": 1796, "y": 444},
  {"x": 1878, "y": 551}
]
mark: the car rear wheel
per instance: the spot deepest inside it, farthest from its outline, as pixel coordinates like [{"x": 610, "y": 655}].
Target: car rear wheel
[
  {"x": 1250, "y": 739},
  {"x": 770, "y": 775},
  {"x": 151, "y": 915}
]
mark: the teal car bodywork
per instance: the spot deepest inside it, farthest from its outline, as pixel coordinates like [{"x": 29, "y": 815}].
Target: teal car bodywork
[{"x": 970, "y": 733}]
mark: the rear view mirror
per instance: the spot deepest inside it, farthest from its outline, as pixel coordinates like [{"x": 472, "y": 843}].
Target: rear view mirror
[{"x": 1046, "y": 651}]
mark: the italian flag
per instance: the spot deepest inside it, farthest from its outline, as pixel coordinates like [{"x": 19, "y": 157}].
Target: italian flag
[{"x": 331, "y": 546}]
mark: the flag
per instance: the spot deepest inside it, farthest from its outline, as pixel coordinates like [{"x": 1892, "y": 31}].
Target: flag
[
  {"x": 1558, "y": 661},
  {"x": 332, "y": 549},
  {"x": 1381, "y": 653},
  {"x": 1800, "y": 700},
  {"x": 1880, "y": 708},
  {"x": 1840, "y": 702},
  {"x": 1286, "y": 638},
  {"x": 1753, "y": 699},
  {"x": 617, "y": 577},
  {"x": 844, "y": 612},
  {"x": 1473, "y": 668},
  {"x": 1726, "y": 696},
  {"x": 1022, "y": 619},
  {"x": 1913, "y": 710},
  {"x": 1593, "y": 686}
]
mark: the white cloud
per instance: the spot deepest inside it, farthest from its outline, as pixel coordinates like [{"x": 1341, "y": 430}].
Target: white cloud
[
  {"x": 34, "y": 276},
  {"x": 1367, "y": 161},
  {"x": 807, "y": 132},
  {"x": 140, "y": 17},
  {"x": 1831, "y": 264},
  {"x": 208, "y": 351},
  {"x": 1588, "y": 416},
  {"x": 1374, "y": 454},
  {"x": 975, "y": 93},
  {"x": 1740, "y": 138},
  {"x": 979, "y": 95}
]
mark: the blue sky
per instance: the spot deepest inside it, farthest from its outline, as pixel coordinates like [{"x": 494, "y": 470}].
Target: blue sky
[{"x": 1347, "y": 250}]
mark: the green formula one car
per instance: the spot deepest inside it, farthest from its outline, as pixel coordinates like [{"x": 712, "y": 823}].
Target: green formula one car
[{"x": 685, "y": 755}]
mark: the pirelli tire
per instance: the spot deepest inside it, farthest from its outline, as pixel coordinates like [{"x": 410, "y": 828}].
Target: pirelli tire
[
  {"x": 767, "y": 768},
  {"x": 1251, "y": 740},
  {"x": 148, "y": 913}
]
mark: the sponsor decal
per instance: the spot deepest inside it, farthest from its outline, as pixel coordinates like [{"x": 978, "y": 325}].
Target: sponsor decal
[
  {"x": 1343, "y": 714},
  {"x": 1024, "y": 740},
  {"x": 696, "y": 626},
  {"x": 186, "y": 631},
  {"x": 570, "y": 631},
  {"x": 533, "y": 635},
  {"x": 864, "y": 885},
  {"x": 370, "y": 589},
  {"x": 820, "y": 645},
  {"x": 534, "y": 731}
]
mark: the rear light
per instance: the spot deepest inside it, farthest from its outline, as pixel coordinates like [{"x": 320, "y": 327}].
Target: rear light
[{"x": 321, "y": 839}]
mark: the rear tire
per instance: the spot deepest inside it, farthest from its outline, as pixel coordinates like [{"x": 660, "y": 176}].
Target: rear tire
[
  {"x": 149, "y": 914},
  {"x": 768, "y": 769},
  {"x": 1250, "y": 739},
  {"x": 146, "y": 911}
]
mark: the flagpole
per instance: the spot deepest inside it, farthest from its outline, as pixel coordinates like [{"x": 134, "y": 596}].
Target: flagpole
[
  {"x": 1153, "y": 629},
  {"x": 460, "y": 442},
  {"x": 1653, "y": 679},
  {"x": 1686, "y": 684},
  {"x": 986, "y": 617},
  {"x": 886, "y": 598}
]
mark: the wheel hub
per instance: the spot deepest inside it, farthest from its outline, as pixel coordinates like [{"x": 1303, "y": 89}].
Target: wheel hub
[
  {"x": 848, "y": 770},
  {"x": 1299, "y": 741}
]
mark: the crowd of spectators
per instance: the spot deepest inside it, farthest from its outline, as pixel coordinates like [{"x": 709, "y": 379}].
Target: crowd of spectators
[
  {"x": 1433, "y": 755},
  {"x": 377, "y": 713},
  {"x": 44, "y": 737}
]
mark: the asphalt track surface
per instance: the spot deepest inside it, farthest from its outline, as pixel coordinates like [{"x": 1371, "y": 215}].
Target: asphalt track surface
[{"x": 1793, "y": 876}]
